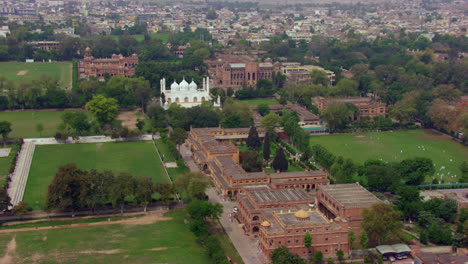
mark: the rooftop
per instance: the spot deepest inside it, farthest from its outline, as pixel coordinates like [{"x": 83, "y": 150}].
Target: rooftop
[
  {"x": 290, "y": 219},
  {"x": 351, "y": 195},
  {"x": 279, "y": 195}
]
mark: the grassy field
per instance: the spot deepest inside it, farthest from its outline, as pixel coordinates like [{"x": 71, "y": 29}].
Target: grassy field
[
  {"x": 5, "y": 162},
  {"x": 399, "y": 145},
  {"x": 137, "y": 158},
  {"x": 24, "y": 123},
  {"x": 268, "y": 101},
  {"x": 21, "y": 72},
  {"x": 168, "y": 241}
]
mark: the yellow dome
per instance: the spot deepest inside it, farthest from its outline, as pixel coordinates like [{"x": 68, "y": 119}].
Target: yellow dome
[
  {"x": 266, "y": 224},
  {"x": 301, "y": 214}
]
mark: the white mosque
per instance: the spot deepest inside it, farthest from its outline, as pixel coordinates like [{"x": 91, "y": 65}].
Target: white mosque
[{"x": 185, "y": 94}]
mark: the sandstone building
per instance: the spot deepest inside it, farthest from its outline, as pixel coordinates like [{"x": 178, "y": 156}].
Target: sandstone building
[
  {"x": 366, "y": 105},
  {"x": 116, "y": 65},
  {"x": 215, "y": 153}
]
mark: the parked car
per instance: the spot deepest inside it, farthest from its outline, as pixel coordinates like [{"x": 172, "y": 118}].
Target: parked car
[{"x": 391, "y": 258}]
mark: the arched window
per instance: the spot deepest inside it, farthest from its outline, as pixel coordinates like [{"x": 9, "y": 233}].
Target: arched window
[
  {"x": 255, "y": 218},
  {"x": 186, "y": 100},
  {"x": 177, "y": 100}
]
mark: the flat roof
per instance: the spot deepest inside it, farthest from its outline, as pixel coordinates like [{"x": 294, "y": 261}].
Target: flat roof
[
  {"x": 290, "y": 219},
  {"x": 352, "y": 195},
  {"x": 281, "y": 195}
]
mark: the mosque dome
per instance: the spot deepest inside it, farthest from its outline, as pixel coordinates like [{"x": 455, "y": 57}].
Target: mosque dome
[
  {"x": 184, "y": 86},
  {"x": 301, "y": 214},
  {"x": 266, "y": 224},
  {"x": 174, "y": 86},
  {"x": 193, "y": 86}
]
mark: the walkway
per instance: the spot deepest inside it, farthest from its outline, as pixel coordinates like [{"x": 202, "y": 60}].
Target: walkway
[
  {"x": 23, "y": 164},
  {"x": 20, "y": 175},
  {"x": 246, "y": 246}
]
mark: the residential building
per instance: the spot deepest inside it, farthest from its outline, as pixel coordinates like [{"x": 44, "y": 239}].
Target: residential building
[{"x": 366, "y": 105}]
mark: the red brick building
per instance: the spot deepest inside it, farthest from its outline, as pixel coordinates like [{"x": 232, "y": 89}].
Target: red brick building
[
  {"x": 281, "y": 217},
  {"x": 216, "y": 154},
  {"x": 116, "y": 65},
  {"x": 239, "y": 71},
  {"x": 366, "y": 105}
]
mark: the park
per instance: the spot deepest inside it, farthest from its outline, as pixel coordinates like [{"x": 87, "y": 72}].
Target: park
[
  {"x": 21, "y": 72},
  {"x": 394, "y": 146}
]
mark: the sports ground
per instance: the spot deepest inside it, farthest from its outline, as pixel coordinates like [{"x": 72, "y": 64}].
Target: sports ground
[
  {"x": 21, "y": 72},
  {"x": 147, "y": 239},
  {"x": 395, "y": 146},
  {"x": 24, "y": 123},
  {"x": 138, "y": 158}
]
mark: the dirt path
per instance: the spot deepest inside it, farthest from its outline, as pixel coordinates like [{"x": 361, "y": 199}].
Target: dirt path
[
  {"x": 145, "y": 220},
  {"x": 10, "y": 252},
  {"x": 129, "y": 119}
]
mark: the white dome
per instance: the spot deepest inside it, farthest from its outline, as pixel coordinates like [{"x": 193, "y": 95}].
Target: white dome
[
  {"x": 184, "y": 86},
  {"x": 193, "y": 86},
  {"x": 174, "y": 86}
]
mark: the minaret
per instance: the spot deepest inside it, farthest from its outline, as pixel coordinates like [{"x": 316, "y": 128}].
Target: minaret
[{"x": 207, "y": 84}]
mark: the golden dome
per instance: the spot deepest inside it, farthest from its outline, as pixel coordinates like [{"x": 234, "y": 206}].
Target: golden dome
[
  {"x": 266, "y": 224},
  {"x": 301, "y": 214}
]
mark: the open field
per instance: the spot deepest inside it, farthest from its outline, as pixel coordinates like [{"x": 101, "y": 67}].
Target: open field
[
  {"x": 399, "y": 145},
  {"x": 24, "y": 123},
  {"x": 20, "y": 72},
  {"x": 5, "y": 162},
  {"x": 137, "y": 158},
  {"x": 147, "y": 239},
  {"x": 268, "y": 101}
]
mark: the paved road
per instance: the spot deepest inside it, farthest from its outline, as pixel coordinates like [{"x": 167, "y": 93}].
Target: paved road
[{"x": 246, "y": 246}]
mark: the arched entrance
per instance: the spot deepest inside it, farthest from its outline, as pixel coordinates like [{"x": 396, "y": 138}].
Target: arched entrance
[{"x": 255, "y": 229}]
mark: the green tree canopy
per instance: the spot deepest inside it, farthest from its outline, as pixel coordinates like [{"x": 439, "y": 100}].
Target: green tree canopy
[{"x": 104, "y": 109}]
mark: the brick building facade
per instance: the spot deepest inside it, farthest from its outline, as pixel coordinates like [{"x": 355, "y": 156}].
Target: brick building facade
[
  {"x": 366, "y": 105},
  {"x": 239, "y": 71},
  {"x": 116, "y": 65},
  {"x": 216, "y": 154},
  {"x": 281, "y": 217}
]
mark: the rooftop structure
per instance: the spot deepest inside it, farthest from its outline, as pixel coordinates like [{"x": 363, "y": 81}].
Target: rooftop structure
[{"x": 185, "y": 94}]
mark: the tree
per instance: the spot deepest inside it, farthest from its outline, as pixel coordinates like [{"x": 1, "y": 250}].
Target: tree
[
  {"x": 140, "y": 124},
  {"x": 351, "y": 239},
  {"x": 104, "y": 109},
  {"x": 318, "y": 257},
  {"x": 193, "y": 184},
  {"x": 409, "y": 201},
  {"x": 415, "y": 170},
  {"x": 345, "y": 87},
  {"x": 270, "y": 122},
  {"x": 144, "y": 191},
  {"x": 253, "y": 140},
  {"x": 340, "y": 255},
  {"x": 363, "y": 240},
  {"x": 281, "y": 255},
  {"x": 198, "y": 209},
  {"x": 307, "y": 240},
  {"x": 443, "y": 208},
  {"x": 157, "y": 116},
  {"x": 68, "y": 189},
  {"x": 178, "y": 136},
  {"x": 251, "y": 161},
  {"x": 279, "y": 162},
  {"x": 5, "y": 129},
  {"x": 464, "y": 172},
  {"x": 263, "y": 109},
  {"x": 5, "y": 200},
  {"x": 266, "y": 147},
  {"x": 319, "y": 77},
  {"x": 40, "y": 128},
  {"x": 372, "y": 223},
  {"x": 337, "y": 115},
  {"x": 123, "y": 186},
  {"x": 20, "y": 209}
]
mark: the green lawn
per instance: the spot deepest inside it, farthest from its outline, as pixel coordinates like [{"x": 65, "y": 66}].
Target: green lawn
[
  {"x": 268, "y": 101},
  {"x": 24, "y": 123},
  {"x": 137, "y": 158},
  {"x": 399, "y": 145},
  {"x": 21, "y": 72},
  {"x": 5, "y": 162},
  {"x": 167, "y": 241}
]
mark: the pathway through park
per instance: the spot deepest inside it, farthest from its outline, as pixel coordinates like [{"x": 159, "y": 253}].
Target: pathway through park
[{"x": 19, "y": 177}]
